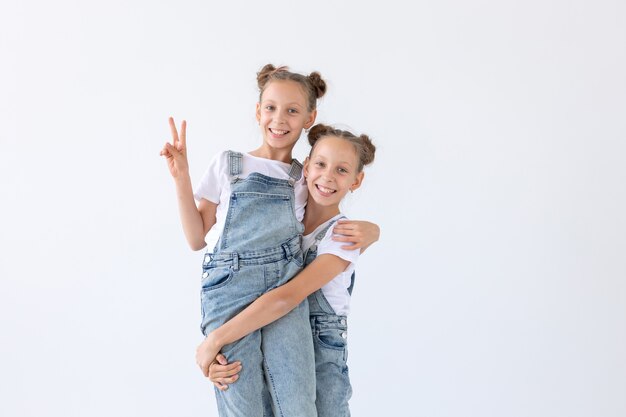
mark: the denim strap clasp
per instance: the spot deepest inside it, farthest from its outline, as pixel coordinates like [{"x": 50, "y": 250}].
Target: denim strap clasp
[
  {"x": 235, "y": 261},
  {"x": 287, "y": 251},
  {"x": 295, "y": 171},
  {"x": 208, "y": 257}
]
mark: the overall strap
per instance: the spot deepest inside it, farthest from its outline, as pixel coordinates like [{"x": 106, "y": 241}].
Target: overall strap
[
  {"x": 351, "y": 287},
  {"x": 322, "y": 233},
  {"x": 235, "y": 163},
  {"x": 295, "y": 172}
]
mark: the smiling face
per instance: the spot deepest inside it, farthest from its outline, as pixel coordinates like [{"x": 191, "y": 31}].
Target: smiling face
[
  {"x": 282, "y": 114},
  {"x": 332, "y": 170}
]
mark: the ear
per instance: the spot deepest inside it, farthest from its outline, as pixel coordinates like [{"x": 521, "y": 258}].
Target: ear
[
  {"x": 258, "y": 112},
  {"x": 357, "y": 181},
  {"x": 311, "y": 119},
  {"x": 305, "y": 170}
]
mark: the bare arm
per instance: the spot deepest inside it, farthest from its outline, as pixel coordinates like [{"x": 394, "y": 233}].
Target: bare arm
[
  {"x": 196, "y": 220},
  {"x": 270, "y": 306}
]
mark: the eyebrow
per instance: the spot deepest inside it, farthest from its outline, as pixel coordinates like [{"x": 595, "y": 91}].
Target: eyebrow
[
  {"x": 269, "y": 100},
  {"x": 340, "y": 162}
]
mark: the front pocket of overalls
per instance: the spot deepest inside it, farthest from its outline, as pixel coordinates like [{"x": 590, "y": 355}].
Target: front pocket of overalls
[
  {"x": 216, "y": 277},
  {"x": 332, "y": 338}
]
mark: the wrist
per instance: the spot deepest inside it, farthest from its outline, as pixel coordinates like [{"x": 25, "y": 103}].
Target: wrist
[
  {"x": 213, "y": 340},
  {"x": 182, "y": 179}
]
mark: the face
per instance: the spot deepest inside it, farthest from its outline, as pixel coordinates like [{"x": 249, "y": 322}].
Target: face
[
  {"x": 282, "y": 114},
  {"x": 331, "y": 170}
]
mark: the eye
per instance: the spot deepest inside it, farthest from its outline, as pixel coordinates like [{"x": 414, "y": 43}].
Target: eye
[
  {"x": 269, "y": 107},
  {"x": 293, "y": 111},
  {"x": 320, "y": 164},
  {"x": 342, "y": 170}
]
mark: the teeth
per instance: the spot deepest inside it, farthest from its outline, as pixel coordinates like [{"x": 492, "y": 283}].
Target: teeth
[
  {"x": 279, "y": 132},
  {"x": 325, "y": 190}
]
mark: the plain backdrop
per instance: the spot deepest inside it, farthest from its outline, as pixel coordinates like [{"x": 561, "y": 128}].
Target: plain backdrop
[{"x": 498, "y": 287}]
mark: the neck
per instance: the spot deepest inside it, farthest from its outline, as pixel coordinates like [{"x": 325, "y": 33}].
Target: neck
[
  {"x": 314, "y": 215},
  {"x": 283, "y": 155}
]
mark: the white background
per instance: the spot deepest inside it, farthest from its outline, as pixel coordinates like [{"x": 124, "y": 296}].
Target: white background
[{"x": 498, "y": 287}]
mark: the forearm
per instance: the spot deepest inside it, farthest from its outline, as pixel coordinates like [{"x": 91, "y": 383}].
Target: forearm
[
  {"x": 264, "y": 310},
  {"x": 193, "y": 225},
  {"x": 274, "y": 304}
]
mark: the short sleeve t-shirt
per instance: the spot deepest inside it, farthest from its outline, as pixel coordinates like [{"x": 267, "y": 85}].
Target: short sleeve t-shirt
[
  {"x": 215, "y": 187},
  {"x": 336, "y": 290}
]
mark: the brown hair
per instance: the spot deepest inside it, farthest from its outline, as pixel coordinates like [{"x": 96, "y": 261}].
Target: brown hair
[
  {"x": 313, "y": 84},
  {"x": 365, "y": 149}
]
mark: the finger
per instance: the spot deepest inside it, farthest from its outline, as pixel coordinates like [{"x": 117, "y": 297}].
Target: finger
[
  {"x": 344, "y": 230},
  {"x": 220, "y": 386},
  {"x": 221, "y": 359},
  {"x": 174, "y": 131},
  {"x": 227, "y": 381},
  {"x": 344, "y": 223},
  {"x": 223, "y": 373},
  {"x": 164, "y": 151},
  {"x": 172, "y": 149},
  {"x": 225, "y": 368},
  {"x": 345, "y": 233},
  {"x": 183, "y": 135}
]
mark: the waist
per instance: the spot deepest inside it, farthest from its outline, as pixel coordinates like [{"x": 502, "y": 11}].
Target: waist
[{"x": 286, "y": 250}]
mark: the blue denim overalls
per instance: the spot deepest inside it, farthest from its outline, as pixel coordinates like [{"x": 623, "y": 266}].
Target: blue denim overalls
[
  {"x": 330, "y": 341},
  {"x": 259, "y": 249}
]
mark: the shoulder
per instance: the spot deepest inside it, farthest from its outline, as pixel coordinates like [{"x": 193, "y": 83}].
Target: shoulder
[
  {"x": 219, "y": 162},
  {"x": 328, "y": 245}
]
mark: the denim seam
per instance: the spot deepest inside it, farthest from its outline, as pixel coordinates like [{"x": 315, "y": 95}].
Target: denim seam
[{"x": 271, "y": 381}]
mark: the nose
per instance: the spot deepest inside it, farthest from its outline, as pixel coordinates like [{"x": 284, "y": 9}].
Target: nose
[
  {"x": 327, "y": 175},
  {"x": 280, "y": 117}
]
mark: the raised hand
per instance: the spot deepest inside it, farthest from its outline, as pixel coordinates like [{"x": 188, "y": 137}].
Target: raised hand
[{"x": 176, "y": 152}]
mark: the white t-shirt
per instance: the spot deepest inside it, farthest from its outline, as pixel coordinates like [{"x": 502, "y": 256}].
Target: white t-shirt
[
  {"x": 215, "y": 187},
  {"x": 335, "y": 291}
]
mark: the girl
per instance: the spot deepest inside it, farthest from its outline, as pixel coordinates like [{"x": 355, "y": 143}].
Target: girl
[
  {"x": 334, "y": 167},
  {"x": 253, "y": 204}
]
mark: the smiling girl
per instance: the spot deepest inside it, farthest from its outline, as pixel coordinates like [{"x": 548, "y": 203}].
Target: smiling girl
[{"x": 334, "y": 168}]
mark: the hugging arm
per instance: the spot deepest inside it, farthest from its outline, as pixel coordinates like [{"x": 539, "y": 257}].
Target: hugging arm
[
  {"x": 357, "y": 234},
  {"x": 270, "y": 306}
]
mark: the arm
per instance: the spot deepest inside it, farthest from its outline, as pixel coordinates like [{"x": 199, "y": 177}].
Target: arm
[
  {"x": 270, "y": 306},
  {"x": 361, "y": 234},
  {"x": 196, "y": 220}
]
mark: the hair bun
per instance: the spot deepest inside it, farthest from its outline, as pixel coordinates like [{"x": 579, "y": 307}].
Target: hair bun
[
  {"x": 264, "y": 74},
  {"x": 318, "y": 84},
  {"x": 369, "y": 150},
  {"x": 318, "y": 131}
]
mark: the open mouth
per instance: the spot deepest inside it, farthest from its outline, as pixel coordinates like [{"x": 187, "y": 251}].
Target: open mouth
[
  {"x": 279, "y": 132},
  {"x": 325, "y": 191}
]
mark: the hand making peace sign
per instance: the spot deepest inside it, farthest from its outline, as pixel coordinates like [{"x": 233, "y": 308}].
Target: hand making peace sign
[{"x": 176, "y": 153}]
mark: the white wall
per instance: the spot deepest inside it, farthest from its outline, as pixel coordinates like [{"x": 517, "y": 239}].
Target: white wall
[{"x": 498, "y": 287}]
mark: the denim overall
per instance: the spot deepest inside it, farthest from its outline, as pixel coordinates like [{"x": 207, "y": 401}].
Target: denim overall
[
  {"x": 330, "y": 341},
  {"x": 259, "y": 250}
]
